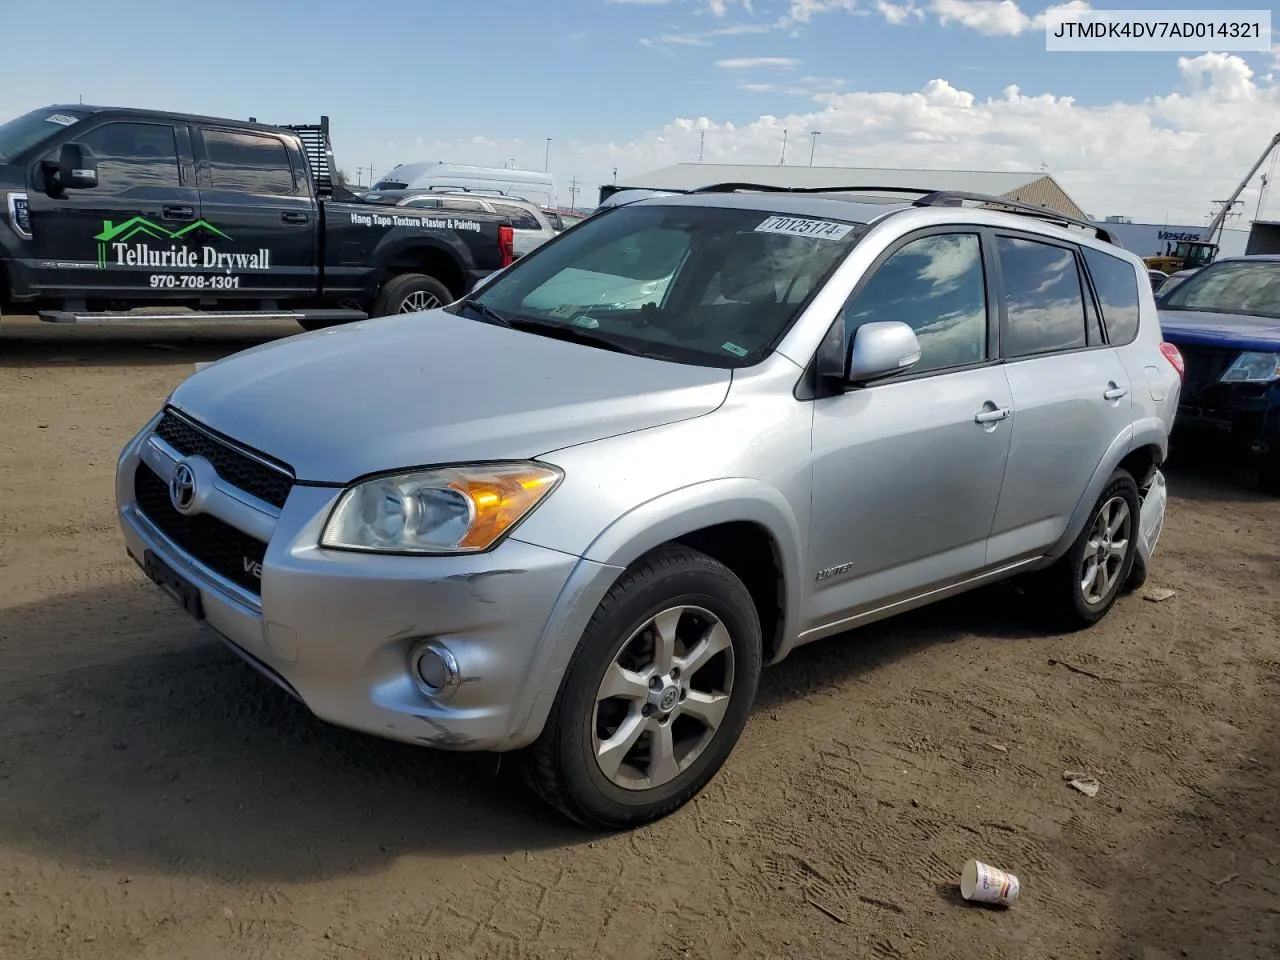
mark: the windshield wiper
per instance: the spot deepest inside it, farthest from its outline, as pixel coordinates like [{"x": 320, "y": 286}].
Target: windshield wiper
[
  {"x": 578, "y": 334},
  {"x": 491, "y": 315}
]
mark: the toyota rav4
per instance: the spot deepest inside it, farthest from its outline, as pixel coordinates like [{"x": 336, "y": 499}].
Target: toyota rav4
[{"x": 575, "y": 512}]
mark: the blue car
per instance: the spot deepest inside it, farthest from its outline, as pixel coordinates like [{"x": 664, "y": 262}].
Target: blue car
[{"x": 1225, "y": 320}]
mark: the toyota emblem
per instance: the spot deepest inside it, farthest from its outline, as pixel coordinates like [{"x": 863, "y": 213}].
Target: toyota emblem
[{"x": 182, "y": 488}]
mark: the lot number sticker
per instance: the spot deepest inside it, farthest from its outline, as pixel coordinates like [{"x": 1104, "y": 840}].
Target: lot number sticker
[{"x": 798, "y": 227}]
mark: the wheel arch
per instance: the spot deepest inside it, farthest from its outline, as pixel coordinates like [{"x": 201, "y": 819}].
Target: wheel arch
[
  {"x": 717, "y": 517},
  {"x": 1140, "y": 450},
  {"x": 438, "y": 260}
]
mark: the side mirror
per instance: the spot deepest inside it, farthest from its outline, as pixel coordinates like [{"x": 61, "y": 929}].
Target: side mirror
[
  {"x": 77, "y": 167},
  {"x": 881, "y": 348}
]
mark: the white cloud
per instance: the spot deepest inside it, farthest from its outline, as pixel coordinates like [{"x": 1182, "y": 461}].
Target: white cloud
[
  {"x": 802, "y": 11},
  {"x": 898, "y": 14},
  {"x": 754, "y": 63},
  {"x": 995, "y": 18},
  {"x": 1146, "y": 158}
]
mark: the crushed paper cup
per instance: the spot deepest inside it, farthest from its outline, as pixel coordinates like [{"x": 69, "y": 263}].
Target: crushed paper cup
[{"x": 983, "y": 883}]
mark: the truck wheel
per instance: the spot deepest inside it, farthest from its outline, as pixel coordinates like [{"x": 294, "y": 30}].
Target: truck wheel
[
  {"x": 655, "y": 696},
  {"x": 1083, "y": 585},
  {"x": 1269, "y": 474},
  {"x": 410, "y": 293}
]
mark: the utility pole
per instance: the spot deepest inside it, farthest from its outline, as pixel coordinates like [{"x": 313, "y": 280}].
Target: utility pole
[
  {"x": 573, "y": 193},
  {"x": 813, "y": 144},
  {"x": 784, "y": 147},
  {"x": 702, "y": 142},
  {"x": 546, "y": 164},
  {"x": 615, "y": 176}
]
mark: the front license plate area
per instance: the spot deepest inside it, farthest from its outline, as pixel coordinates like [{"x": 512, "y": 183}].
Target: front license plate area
[{"x": 172, "y": 583}]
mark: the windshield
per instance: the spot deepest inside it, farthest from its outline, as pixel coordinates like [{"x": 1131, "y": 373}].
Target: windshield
[
  {"x": 705, "y": 285},
  {"x": 1252, "y": 289},
  {"x": 22, "y": 133}
]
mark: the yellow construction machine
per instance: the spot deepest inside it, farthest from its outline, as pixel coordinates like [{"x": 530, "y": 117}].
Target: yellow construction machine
[{"x": 1190, "y": 254}]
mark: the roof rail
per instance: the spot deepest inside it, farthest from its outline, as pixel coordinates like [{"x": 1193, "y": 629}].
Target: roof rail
[
  {"x": 956, "y": 198},
  {"x": 772, "y": 188}
]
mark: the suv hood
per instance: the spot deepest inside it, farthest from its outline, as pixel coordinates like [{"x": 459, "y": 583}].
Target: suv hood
[
  {"x": 1229, "y": 330},
  {"x": 434, "y": 388}
]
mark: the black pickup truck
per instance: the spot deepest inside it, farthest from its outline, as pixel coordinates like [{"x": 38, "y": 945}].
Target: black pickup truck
[{"x": 110, "y": 213}]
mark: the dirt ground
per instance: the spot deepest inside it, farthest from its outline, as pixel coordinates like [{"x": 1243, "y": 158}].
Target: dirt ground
[{"x": 160, "y": 800}]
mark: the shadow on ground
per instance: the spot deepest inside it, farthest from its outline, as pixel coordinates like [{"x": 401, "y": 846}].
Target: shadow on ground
[
  {"x": 27, "y": 342},
  {"x": 135, "y": 740}
]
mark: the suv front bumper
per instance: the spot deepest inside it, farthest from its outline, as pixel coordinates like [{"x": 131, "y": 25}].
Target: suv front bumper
[{"x": 338, "y": 630}]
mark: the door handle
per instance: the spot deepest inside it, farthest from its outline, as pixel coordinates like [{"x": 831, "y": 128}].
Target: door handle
[
  {"x": 291, "y": 217},
  {"x": 993, "y": 416},
  {"x": 178, "y": 212},
  {"x": 1114, "y": 391}
]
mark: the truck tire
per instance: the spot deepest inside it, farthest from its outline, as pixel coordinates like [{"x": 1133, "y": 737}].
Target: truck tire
[
  {"x": 1114, "y": 520},
  {"x": 1269, "y": 474},
  {"x": 410, "y": 293},
  {"x": 674, "y": 712}
]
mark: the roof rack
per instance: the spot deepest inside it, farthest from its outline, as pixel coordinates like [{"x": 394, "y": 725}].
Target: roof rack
[
  {"x": 956, "y": 198},
  {"x": 772, "y": 188}
]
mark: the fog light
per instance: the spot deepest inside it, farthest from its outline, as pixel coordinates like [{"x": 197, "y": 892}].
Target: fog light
[{"x": 435, "y": 670}]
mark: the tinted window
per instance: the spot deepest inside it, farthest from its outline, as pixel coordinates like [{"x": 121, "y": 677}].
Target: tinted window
[
  {"x": 521, "y": 218},
  {"x": 134, "y": 155},
  {"x": 431, "y": 202},
  {"x": 706, "y": 285},
  {"x": 30, "y": 129},
  {"x": 248, "y": 162},
  {"x": 1042, "y": 295},
  {"x": 937, "y": 286},
  {"x": 1117, "y": 287},
  {"x": 474, "y": 206}
]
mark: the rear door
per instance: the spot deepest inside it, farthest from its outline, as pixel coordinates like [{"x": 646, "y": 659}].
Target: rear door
[
  {"x": 130, "y": 233},
  {"x": 260, "y": 218},
  {"x": 1071, "y": 393}
]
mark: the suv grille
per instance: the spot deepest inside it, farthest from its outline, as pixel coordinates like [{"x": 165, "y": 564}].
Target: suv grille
[
  {"x": 1205, "y": 367},
  {"x": 217, "y": 545},
  {"x": 271, "y": 484}
]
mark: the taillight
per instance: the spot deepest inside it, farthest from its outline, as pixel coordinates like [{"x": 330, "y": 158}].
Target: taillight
[
  {"x": 507, "y": 244},
  {"x": 1174, "y": 356}
]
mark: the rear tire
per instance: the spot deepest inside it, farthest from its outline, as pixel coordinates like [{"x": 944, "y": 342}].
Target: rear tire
[
  {"x": 641, "y": 723},
  {"x": 410, "y": 293},
  {"x": 1269, "y": 474},
  {"x": 1083, "y": 585}
]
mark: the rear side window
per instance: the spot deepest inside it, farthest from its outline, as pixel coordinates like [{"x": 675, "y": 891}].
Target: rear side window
[
  {"x": 475, "y": 206},
  {"x": 1116, "y": 284},
  {"x": 1042, "y": 296},
  {"x": 431, "y": 203},
  {"x": 521, "y": 218},
  {"x": 248, "y": 162}
]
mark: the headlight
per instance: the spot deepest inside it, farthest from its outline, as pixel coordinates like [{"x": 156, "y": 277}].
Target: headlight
[
  {"x": 1253, "y": 367},
  {"x": 461, "y": 509}
]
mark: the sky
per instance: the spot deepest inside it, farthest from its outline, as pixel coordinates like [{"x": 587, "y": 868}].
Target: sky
[{"x": 633, "y": 85}]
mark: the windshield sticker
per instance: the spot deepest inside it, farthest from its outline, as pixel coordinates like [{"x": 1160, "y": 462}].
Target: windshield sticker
[
  {"x": 733, "y": 348},
  {"x": 61, "y": 119},
  {"x": 798, "y": 227}
]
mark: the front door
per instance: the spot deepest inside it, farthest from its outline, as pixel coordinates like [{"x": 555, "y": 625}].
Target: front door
[
  {"x": 122, "y": 237},
  {"x": 907, "y": 471},
  {"x": 261, "y": 221},
  {"x": 1071, "y": 393}
]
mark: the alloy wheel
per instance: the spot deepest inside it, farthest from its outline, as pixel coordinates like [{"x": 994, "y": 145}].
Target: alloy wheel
[
  {"x": 418, "y": 301},
  {"x": 1105, "y": 551},
  {"x": 663, "y": 698}
]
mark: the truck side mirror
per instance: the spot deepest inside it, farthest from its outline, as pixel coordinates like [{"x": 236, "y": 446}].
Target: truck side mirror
[{"x": 77, "y": 167}]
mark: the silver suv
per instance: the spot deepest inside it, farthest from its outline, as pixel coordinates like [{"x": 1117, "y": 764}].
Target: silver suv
[{"x": 576, "y": 511}]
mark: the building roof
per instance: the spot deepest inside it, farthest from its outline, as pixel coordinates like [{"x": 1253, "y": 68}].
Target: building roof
[{"x": 1029, "y": 186}]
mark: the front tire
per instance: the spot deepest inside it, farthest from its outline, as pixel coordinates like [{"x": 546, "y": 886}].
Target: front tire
[
  {"x": 410, "y": 293},
  {"x": 1083, "y": 585},
  {"x": 655, "y": 696}
]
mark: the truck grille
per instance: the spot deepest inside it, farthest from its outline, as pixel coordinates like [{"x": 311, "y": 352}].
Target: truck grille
[
  {"x": 219, "y": 546},
  {"x": 268, "y": 483}
]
